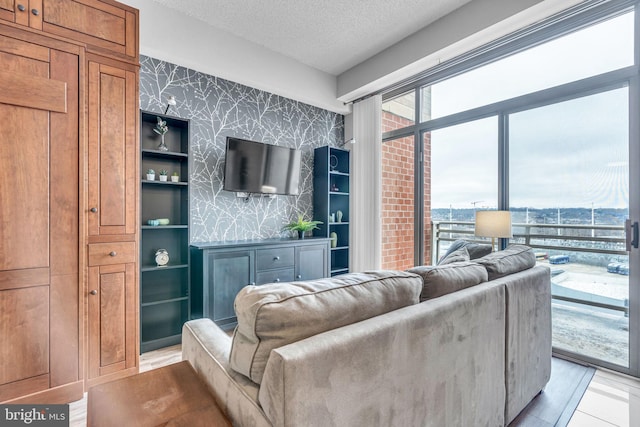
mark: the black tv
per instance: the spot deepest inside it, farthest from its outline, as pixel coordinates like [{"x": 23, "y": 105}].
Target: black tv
[{"x": 254, "y": 167}]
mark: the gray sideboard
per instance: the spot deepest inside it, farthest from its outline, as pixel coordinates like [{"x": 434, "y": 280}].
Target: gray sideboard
[{"x": 220, "y": 269}]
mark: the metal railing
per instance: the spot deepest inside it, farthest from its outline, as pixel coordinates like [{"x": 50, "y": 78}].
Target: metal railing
[{"x": 587, "y": 239}]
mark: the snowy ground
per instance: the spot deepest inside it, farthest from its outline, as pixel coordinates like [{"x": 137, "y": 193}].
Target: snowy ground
[{"x": 598, "y": 333}]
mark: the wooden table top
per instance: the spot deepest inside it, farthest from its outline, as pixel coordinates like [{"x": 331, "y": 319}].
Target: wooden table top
[{"x": 169, "y": 396}]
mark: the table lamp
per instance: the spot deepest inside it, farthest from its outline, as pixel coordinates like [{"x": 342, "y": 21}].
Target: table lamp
[{"x": 494, "y": 224}]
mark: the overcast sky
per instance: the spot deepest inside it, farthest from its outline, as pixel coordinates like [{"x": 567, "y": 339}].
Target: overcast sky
[{"x": 572, "y": 154}]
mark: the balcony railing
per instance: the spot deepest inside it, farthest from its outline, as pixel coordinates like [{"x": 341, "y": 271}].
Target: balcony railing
[{"x": 581, "y": 241}]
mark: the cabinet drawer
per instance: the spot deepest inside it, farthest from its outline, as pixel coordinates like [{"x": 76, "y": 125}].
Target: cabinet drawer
[
  {"x": 274, "y": 276},
  {"x": 268, "y": 259},
  {"x": 112, "y": 253}
]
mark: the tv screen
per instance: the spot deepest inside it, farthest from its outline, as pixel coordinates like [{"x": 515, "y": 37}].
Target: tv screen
[{"x": 254, "y": 167}]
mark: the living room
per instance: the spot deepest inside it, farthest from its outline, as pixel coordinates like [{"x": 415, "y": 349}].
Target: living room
[{"x": 212, "y": 80}]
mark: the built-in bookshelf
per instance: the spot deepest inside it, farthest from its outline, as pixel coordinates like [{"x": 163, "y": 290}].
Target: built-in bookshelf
[
  {"x": 164, "y": 290},
  {"x": 331, "y": 170}
]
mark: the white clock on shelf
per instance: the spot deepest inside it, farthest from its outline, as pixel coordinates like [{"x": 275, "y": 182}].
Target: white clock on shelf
[{"x": 162, "y": 257}]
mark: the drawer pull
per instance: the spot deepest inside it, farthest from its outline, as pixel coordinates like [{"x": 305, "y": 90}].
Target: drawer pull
[
  {"x": 94, "y": 210},
  {"x": 94, "y": 292},
  {"x": 113, "y": 253},
  {"x": 252, "y": 283},
  {"x": 277, "y": 280},
  {"x": 276, "y": 258},
  {"x": 36, "y": 12},
  {"x": 21, "y": 8},
  {"x": 299, "y": 276}
]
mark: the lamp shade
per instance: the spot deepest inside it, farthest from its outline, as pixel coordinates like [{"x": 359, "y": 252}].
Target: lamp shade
[{"x": 493, "y": 224}]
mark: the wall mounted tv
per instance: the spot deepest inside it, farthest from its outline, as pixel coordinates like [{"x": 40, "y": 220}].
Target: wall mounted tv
[{"x": 254, "y": 167}]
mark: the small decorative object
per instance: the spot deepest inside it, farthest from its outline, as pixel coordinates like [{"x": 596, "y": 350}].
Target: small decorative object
[
  {"x": 339, "y": 216},
  {"x": 151, "y": 175},
  {"x": 332, "y": 217},
  {"x": 161, "y": 128},
  {"x": 163, "y": 174},
  {"x": 175, "y": 177},
  {"x": 162, "y": 257},
  {"x": 334, "y": 187},
  {"x": 333, "y": 162},
  {"x": 301, "y": 226},
  {"x": 334, "y": 239},
  {"x": 163, "y": 221},
  {"x": 153, "y": 222}
]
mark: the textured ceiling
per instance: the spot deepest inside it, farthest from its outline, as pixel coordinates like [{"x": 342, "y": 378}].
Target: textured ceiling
[{"x": 331, "y": 36}]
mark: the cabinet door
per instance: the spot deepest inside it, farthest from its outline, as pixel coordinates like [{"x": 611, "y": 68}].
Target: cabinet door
[
  {"x": 109, "y": 27},
  {"x": 23, "y": 12},
  {"x": 112, "y": 321},
  {"x": 311, "y": 262},
  {"x": 228, "y": 272},
  {"x": 113, "y": 104},
  {"x": 39, "y": 231}
]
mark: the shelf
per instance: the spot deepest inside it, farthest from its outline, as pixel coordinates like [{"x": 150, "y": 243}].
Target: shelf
[
  {"x": 181, "y": 183},
  {"x": 165, "y": 154},
  {"x": 338, "y": 193},
  {"x": 340, "y": 248},
  {"x": 339, "y": 271},
  {"x": 167, "y": 267},
  {"x": 164, "y": 227},
  {"x": 339, "y": 223},
  {"x": 338, "y": 173},
  {"x": 165, "y": 301}
]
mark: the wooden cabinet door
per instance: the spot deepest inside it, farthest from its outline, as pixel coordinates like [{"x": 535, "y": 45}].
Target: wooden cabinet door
[
  {"x": 228, "y": 272},
  {"x": 113, "y": 183},
  {"x": 112, "y": 322},
  {"x": 23, "y": 12},
  {"x": 311, "y": 262},
  {"x": 39, "y": 210}
]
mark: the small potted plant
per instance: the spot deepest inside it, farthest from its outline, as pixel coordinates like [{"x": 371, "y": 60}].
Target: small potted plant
[
  {"x": 302, "y": 226},
  {"x": 175, "y": 177},
  {"x": 163, "y": 174},
  {"x": 151, "y": 175}
]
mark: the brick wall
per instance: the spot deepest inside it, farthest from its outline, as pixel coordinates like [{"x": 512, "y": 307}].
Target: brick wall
[{"x": 398, "y": 197}]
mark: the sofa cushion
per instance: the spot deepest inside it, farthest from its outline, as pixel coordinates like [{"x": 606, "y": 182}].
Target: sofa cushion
[
  {"x": 445, "y": 279},
  {"x": 475, "y": 250},
  {"x": 274, "y": 315},
  {"x": 511, "y": 260},
  {"x": 459, "y": 255}
]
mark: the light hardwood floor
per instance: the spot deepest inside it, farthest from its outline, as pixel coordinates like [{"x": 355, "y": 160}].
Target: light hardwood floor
[{"x": 611, "y": 399}]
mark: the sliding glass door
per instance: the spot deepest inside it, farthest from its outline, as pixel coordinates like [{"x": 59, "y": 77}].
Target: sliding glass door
[{"x": 569, "y": 198}]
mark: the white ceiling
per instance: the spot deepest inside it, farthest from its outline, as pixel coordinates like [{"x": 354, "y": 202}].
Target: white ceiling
[{"x": 331, "y": 36}]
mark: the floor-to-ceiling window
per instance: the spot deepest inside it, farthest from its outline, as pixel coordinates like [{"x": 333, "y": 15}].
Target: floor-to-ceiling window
[{"x": 544, "y": 125}]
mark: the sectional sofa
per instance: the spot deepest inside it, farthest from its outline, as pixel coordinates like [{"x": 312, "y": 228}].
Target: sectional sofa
[{"x": 464, "y": 343}]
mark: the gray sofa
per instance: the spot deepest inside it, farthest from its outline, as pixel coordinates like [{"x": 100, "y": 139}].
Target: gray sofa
[{"x": 384, "y": 348}]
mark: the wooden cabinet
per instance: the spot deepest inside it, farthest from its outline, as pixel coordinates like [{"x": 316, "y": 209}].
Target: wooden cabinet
[
  {"x": 164, "y": 302},
  {"x": 112, "y": 322},
  {"x": 68, "y": 143},
  {"x": 331, "y": 202},
  {"x": 113, "y": 101},
  {"x": 40, "y": 263},
  {"x": 106, "y": 27},
  {"x": 220, "y": 269}
]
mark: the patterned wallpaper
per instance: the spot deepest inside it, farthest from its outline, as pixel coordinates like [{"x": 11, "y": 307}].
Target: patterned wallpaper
[{"x": 219, "y": 108}]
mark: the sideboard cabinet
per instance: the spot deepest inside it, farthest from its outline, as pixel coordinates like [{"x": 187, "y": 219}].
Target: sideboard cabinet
[{"x": 220, "y": 269}]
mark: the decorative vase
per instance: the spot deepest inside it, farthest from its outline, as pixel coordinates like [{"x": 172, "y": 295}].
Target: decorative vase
[
  {"x": 339, "y": 216},
  {"x": 163, "y": 178},
  {"x": 151, "y": 177},
  {"x": 334, "y": 239},
  {"x": 175, "y": 178},
  {"x": 300, "y": 234},
  {"x": 162, "y": 146}
]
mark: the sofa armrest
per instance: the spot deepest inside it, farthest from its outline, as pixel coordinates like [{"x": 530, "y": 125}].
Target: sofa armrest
[
  {"x": 528, "y": 347},
  {"x": 440, "y": 362},
  {"x": 207, "y": 347}
]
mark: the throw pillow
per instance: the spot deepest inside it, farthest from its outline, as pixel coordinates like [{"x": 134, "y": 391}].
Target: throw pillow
[
  {"x": 444, "y": 279},
  {"x": 511, "y": 260},
  {"x": 271, "y": 316},
  {"x": 475, "y": 250},
  {"x": 460, "y": 255}
]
